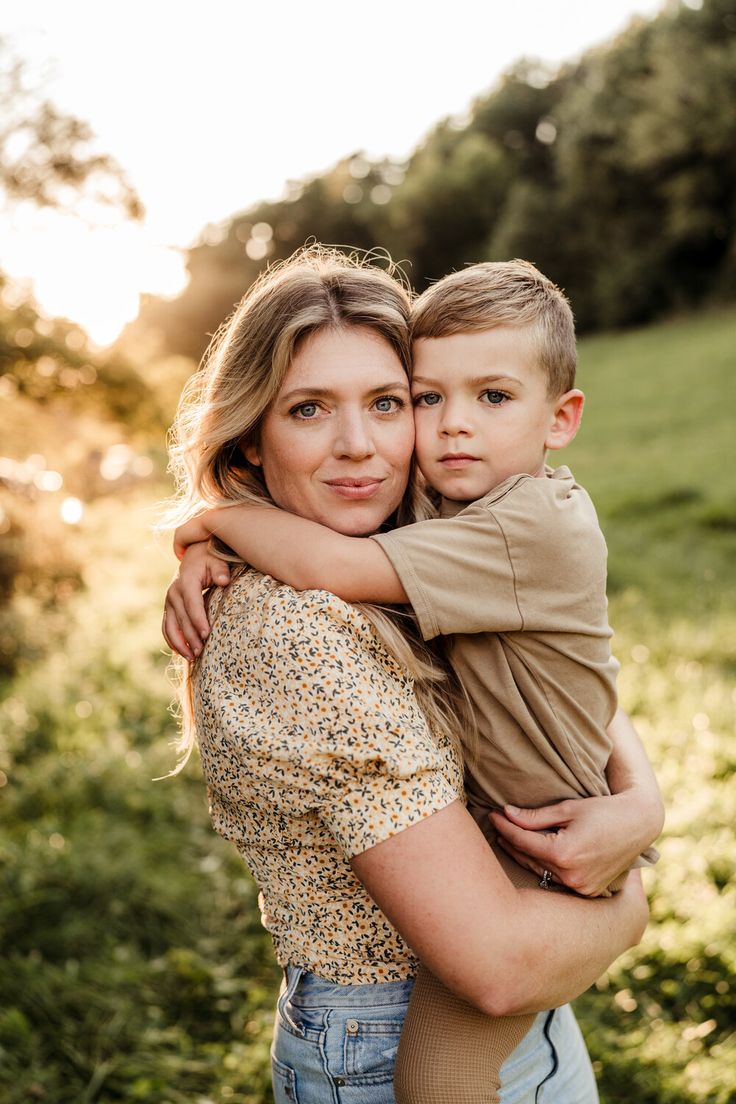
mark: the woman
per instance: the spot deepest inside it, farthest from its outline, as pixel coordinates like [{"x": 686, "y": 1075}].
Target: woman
[{"x": 341, "y": 793}]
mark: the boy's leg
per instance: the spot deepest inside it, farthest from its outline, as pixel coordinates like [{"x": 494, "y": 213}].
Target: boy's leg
[{"x": 450, "y": 1053}]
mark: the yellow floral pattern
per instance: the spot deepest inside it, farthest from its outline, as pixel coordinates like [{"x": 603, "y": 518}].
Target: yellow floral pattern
[{"x": 314, "y": 749}]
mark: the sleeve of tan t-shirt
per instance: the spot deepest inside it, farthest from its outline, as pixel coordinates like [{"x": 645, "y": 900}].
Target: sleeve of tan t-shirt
[{"x": 457, "y": 572}]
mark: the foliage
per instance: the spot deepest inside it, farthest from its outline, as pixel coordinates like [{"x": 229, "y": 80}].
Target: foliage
[
  {"x": 51, "y": 361},
  {"x": 135, "y": 967},
  {"x": 133, "y": 950},
  {"x": 616, "y": 175},
  {"x": 48, "y": 156}
]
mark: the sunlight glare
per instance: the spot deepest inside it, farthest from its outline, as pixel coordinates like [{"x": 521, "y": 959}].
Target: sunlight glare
[
  {"x": 94, "y": 275},
  {"x": 71, "y": 511}
]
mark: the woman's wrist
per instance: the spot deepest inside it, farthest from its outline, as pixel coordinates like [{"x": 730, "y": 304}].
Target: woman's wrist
[{"x": 641, "y": 807}]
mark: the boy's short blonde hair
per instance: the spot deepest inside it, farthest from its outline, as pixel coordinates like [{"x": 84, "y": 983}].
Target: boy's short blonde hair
[{"x": 504, "y": 293}]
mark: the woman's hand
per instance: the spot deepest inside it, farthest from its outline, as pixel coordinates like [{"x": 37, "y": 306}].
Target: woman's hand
[
  {"x": 581, "y": 842},
  {"x": 587, "y": 843},
  {"x": 185, "y": 625}
]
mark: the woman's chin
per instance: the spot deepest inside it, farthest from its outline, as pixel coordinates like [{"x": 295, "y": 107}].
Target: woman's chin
[{"x": 356, "y": 520}]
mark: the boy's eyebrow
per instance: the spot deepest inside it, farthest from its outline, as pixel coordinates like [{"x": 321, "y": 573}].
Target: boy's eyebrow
[
  {"x": 327, "y": 393},
  {"x": 475, "y": 381}
]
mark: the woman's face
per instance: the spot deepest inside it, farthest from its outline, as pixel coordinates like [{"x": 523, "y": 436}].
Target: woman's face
[{"x": 336, "y": 444}]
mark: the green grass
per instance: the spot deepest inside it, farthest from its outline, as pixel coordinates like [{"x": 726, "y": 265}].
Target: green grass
[
  {"x": 134, "y": 967},
  {"x": 656, "y": 453}
]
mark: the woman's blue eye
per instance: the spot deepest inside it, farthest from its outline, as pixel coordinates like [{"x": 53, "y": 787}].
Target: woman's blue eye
[
  {"x": 387, "y": 404},
  {"x": 495, "y": 398},
  {"x": 305, "y": 410},
  {"x": 430, "y": 398}
]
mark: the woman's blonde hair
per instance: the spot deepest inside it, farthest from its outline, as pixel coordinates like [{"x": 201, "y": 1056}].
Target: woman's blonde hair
[{"x": 222, "y": 407}]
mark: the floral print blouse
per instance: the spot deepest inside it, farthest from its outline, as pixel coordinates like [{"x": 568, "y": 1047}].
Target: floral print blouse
[{"x": 314, "y": 749}]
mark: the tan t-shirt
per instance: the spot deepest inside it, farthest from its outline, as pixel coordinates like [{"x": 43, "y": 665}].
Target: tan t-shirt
[{"x": 518, "y": 580}]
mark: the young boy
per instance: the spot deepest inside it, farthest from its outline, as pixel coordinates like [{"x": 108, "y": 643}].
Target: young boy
[{"x": 512, "y": 571}]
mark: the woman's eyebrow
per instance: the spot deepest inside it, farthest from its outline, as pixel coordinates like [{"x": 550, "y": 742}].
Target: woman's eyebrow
[{"x": 327, "y": 393}]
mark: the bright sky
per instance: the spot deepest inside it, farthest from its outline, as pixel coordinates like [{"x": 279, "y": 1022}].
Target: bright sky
[{"x": 211, "y": 107}]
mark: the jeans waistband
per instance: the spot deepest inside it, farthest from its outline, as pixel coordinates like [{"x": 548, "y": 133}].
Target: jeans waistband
[{"x": 306, "y": 990}]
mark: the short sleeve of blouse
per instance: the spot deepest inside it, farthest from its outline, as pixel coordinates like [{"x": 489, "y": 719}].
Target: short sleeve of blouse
[{"x": 340, "y": 732}]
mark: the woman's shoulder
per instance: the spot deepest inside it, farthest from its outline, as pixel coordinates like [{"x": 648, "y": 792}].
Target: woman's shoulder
[{"x": 259, "y": 605}]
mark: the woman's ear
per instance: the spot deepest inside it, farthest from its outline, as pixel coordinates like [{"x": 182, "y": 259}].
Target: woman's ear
[
  {"x": 565, "y": 421},
  {"x": 249, "y": 450}
]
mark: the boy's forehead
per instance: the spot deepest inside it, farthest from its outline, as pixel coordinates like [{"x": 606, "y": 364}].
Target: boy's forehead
[{"x": 499, "y": 348}]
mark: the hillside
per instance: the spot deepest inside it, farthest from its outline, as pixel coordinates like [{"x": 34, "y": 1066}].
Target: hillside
[{"x": 134, "y": 966}]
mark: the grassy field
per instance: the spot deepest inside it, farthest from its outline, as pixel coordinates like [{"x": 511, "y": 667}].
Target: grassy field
[{"x": 134, "y": 967}]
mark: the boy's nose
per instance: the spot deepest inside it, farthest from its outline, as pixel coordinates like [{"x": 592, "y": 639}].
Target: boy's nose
[{"x": 454, "y": 420}]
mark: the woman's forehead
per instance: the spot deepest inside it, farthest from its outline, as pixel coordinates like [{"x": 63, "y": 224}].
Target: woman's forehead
[{"x": 355, "y": 358}]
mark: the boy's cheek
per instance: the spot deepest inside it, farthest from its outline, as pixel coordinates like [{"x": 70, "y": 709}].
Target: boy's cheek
[{"x": 423, "y": 445}]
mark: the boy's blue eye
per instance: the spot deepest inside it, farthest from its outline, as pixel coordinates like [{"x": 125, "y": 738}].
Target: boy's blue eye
[
  {"x": 429, "y": 398},
  {"x": 495, "y": 398}
]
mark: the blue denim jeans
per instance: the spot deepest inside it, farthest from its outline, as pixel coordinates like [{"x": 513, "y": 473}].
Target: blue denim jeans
[{"x": 336, "y": 1044}]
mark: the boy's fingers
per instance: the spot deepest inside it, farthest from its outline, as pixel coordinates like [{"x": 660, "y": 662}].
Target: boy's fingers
[
  {"x": 194, "y": 609},
  {"x": 176, "y": 613},
  {"x": 175, "y": 638}
]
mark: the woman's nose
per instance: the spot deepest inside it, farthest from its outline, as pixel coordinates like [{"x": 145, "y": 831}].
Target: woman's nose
[{"x": 354, "y": 437}]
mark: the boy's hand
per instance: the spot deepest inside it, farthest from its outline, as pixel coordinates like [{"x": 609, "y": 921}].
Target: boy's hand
[
  {"x": 185, "y": 626},
  {"x": 584, "y": 843},
  {"x": 194, "y": 531}
]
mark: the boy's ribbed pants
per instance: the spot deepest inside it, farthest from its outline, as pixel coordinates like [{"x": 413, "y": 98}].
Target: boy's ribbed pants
[{"x": 450, "y": 1053}]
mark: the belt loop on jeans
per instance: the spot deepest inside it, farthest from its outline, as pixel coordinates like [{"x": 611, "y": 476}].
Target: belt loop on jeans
[{"x": 293, "y": 975}]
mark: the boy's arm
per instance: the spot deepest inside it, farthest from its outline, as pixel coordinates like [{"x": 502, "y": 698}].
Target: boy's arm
[{"x": 302, "y": 553}]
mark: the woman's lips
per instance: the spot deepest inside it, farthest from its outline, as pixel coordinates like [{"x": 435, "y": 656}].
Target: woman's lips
[{"x": 355, "y": 488}]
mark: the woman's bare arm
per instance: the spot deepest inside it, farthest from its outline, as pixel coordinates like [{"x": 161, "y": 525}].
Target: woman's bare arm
[
  {"x": 586, "y": 843},
  {"x": 505, "y": 950}
]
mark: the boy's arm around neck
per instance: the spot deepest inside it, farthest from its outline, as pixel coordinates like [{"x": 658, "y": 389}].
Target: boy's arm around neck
[{"x": 307, "y": 555}]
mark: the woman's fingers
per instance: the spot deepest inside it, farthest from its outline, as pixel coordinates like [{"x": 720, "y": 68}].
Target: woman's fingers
[
  {"x": 536, "y": 844},
  {"x": 535, "y": 820},
  {"x": 525, "y": 860}
]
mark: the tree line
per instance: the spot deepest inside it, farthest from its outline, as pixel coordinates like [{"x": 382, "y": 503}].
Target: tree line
[{"x": 616, "y": 174}]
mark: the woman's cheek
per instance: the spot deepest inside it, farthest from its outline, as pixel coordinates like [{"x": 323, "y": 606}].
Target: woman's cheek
[{"x": 403, "y": 441}]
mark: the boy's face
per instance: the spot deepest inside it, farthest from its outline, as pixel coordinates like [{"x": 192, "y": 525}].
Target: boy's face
[{"x": 481, "y": 410}]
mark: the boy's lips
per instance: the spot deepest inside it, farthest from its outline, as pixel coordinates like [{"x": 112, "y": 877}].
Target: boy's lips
[{"x": 457, "y": 460}]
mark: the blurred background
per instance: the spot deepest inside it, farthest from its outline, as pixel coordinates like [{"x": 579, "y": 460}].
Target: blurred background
[{"x": 153, "y": 159}]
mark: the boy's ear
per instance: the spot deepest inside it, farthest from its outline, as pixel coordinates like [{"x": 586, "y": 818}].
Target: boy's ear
[{"x": 565, "y": 421}]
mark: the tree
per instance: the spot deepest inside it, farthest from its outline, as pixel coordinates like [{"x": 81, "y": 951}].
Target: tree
[{"x": 48, "y": 156}]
